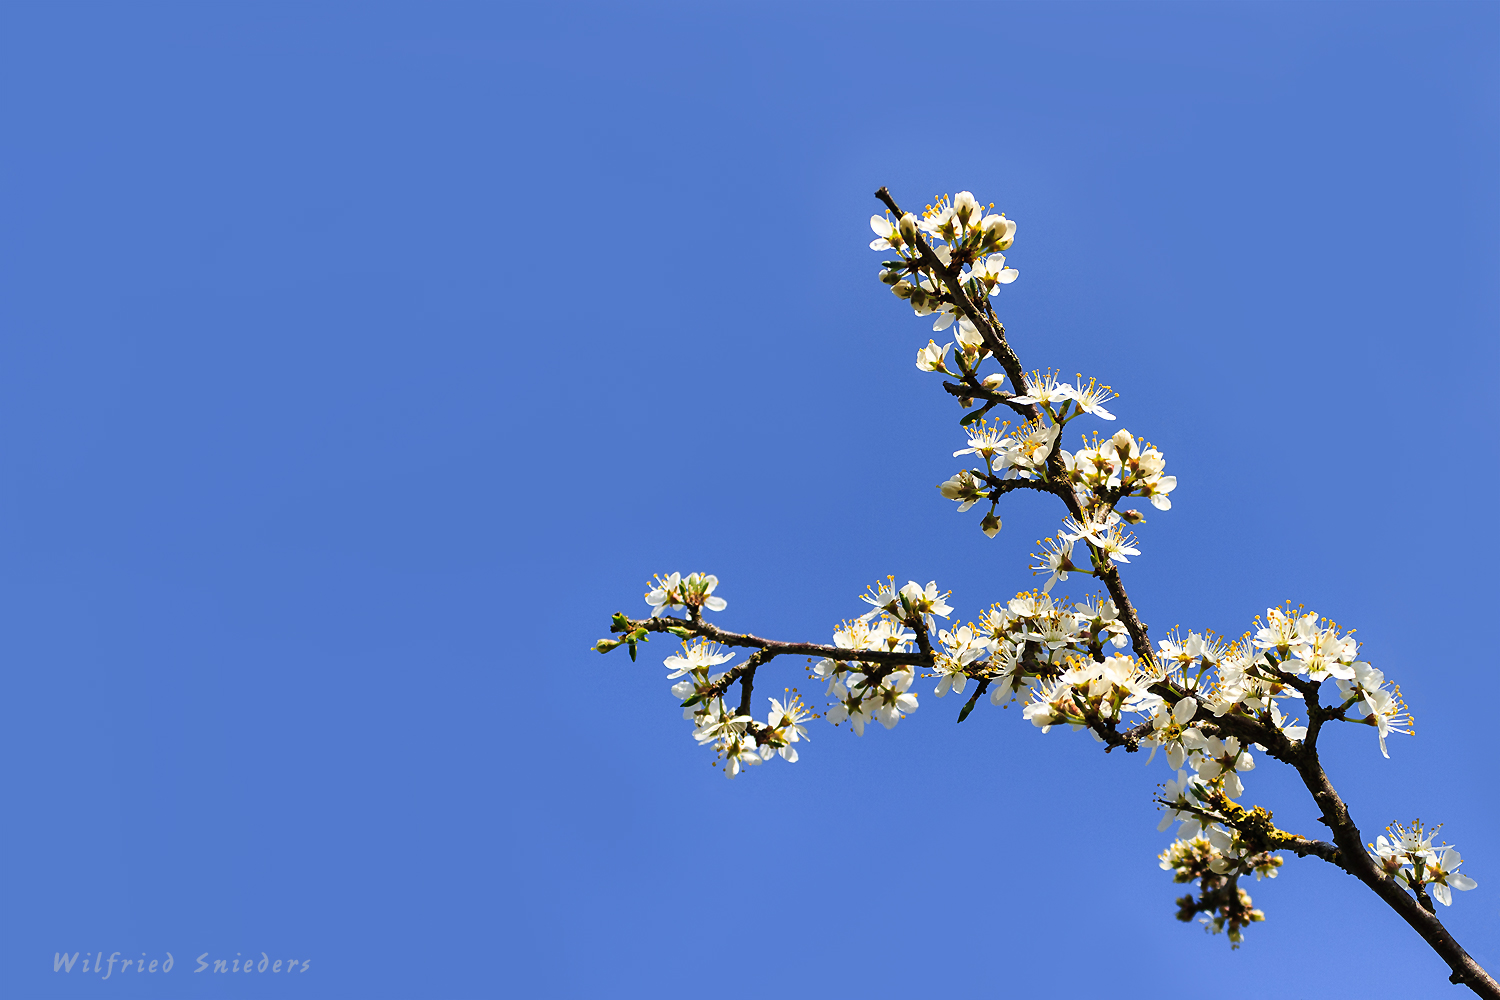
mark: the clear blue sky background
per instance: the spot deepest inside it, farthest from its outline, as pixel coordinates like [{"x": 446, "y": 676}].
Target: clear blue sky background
[{"x": 359, "y": 361}]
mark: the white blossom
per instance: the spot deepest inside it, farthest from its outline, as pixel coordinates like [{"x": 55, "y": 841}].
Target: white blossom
[
  {"x": 887, "y": 236},
  {"x": 930, "y": 358},
  {"x": 1442, "y": 873},
  {"x": 1045, "y": 390},
  {"x": 925, "y": 601},
  {"x": 986, "y": 440},
  {"x": 784, "y": 727},
  {"x": 1055, "y": 559},
  {"x": 965, "y": 487},
  {"x": 675, "y": 591},
  {"x": 695, "y": 658},
  {"x": 991, "y": 273},
  {"x": 1092, "y": 397}
]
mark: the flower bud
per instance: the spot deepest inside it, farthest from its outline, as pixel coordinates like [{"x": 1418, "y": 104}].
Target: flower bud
[
  {"x": 890, "y": 277},
  {"x": 990, "y": 525},
  {"x": 908, "y": 228},
  {"x": 1133, "y": 517},
  {"x": 965, "y": 207},
  {"x": 999, "y": 232}
]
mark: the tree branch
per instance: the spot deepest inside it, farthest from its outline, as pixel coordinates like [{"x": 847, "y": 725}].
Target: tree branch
[
  {"x": 975, "y": 390},
  {"x": 1348, "y": 850},
  {"x": 1355, "y": 860},
  {"x": 993, "y": 333},
  {"x": 772, "y": 647}
]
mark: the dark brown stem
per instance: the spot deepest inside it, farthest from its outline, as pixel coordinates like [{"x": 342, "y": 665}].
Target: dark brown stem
[
  {"x": 884, "y": 662},
  {"x": 746, "y": 676},
  {"x": 973, "y": 389},
  {"x": 999, "y": 487},
  {"x": 773, "y": 647},
  {"x": 993, "y": 334},
  {"x": 1355, "y": 860}
]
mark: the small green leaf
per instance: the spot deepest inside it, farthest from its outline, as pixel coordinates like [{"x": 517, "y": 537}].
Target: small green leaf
[
  {"x": 632, "y": 652},
  {"x": 964, "y": 712},
  {"x": 619, "y": 623},
  {"x": 692, "y": 701},
  {"x": 680, "y": 632},
  {"x": 969, "y": 418}
]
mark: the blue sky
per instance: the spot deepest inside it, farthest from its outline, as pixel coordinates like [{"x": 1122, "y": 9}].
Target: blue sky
[{"x": 360, "y": 361}]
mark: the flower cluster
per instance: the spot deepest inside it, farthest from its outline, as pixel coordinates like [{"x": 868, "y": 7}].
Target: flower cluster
[
  {"x": 675, "y": 591},
  {"x": 959, "y": 234},
  {"x": 1030, "y": 644},
  {"x": 865, "y": 691},
  {"x": 1221, "y": 904},
  {"x": 1011, "y": 453},
  {"x": 1202, "y": 803},
  {"x": 1092, "y": 693},
  {"x": 1101, "y": 474},
  {"x": 1285, "y": 652},
  {"x": 1104, "y": 472},
  {"x": 933, "y": 252},
  {"x": 736, "y": 738},
  {"x": 1408, "y": 856}
]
